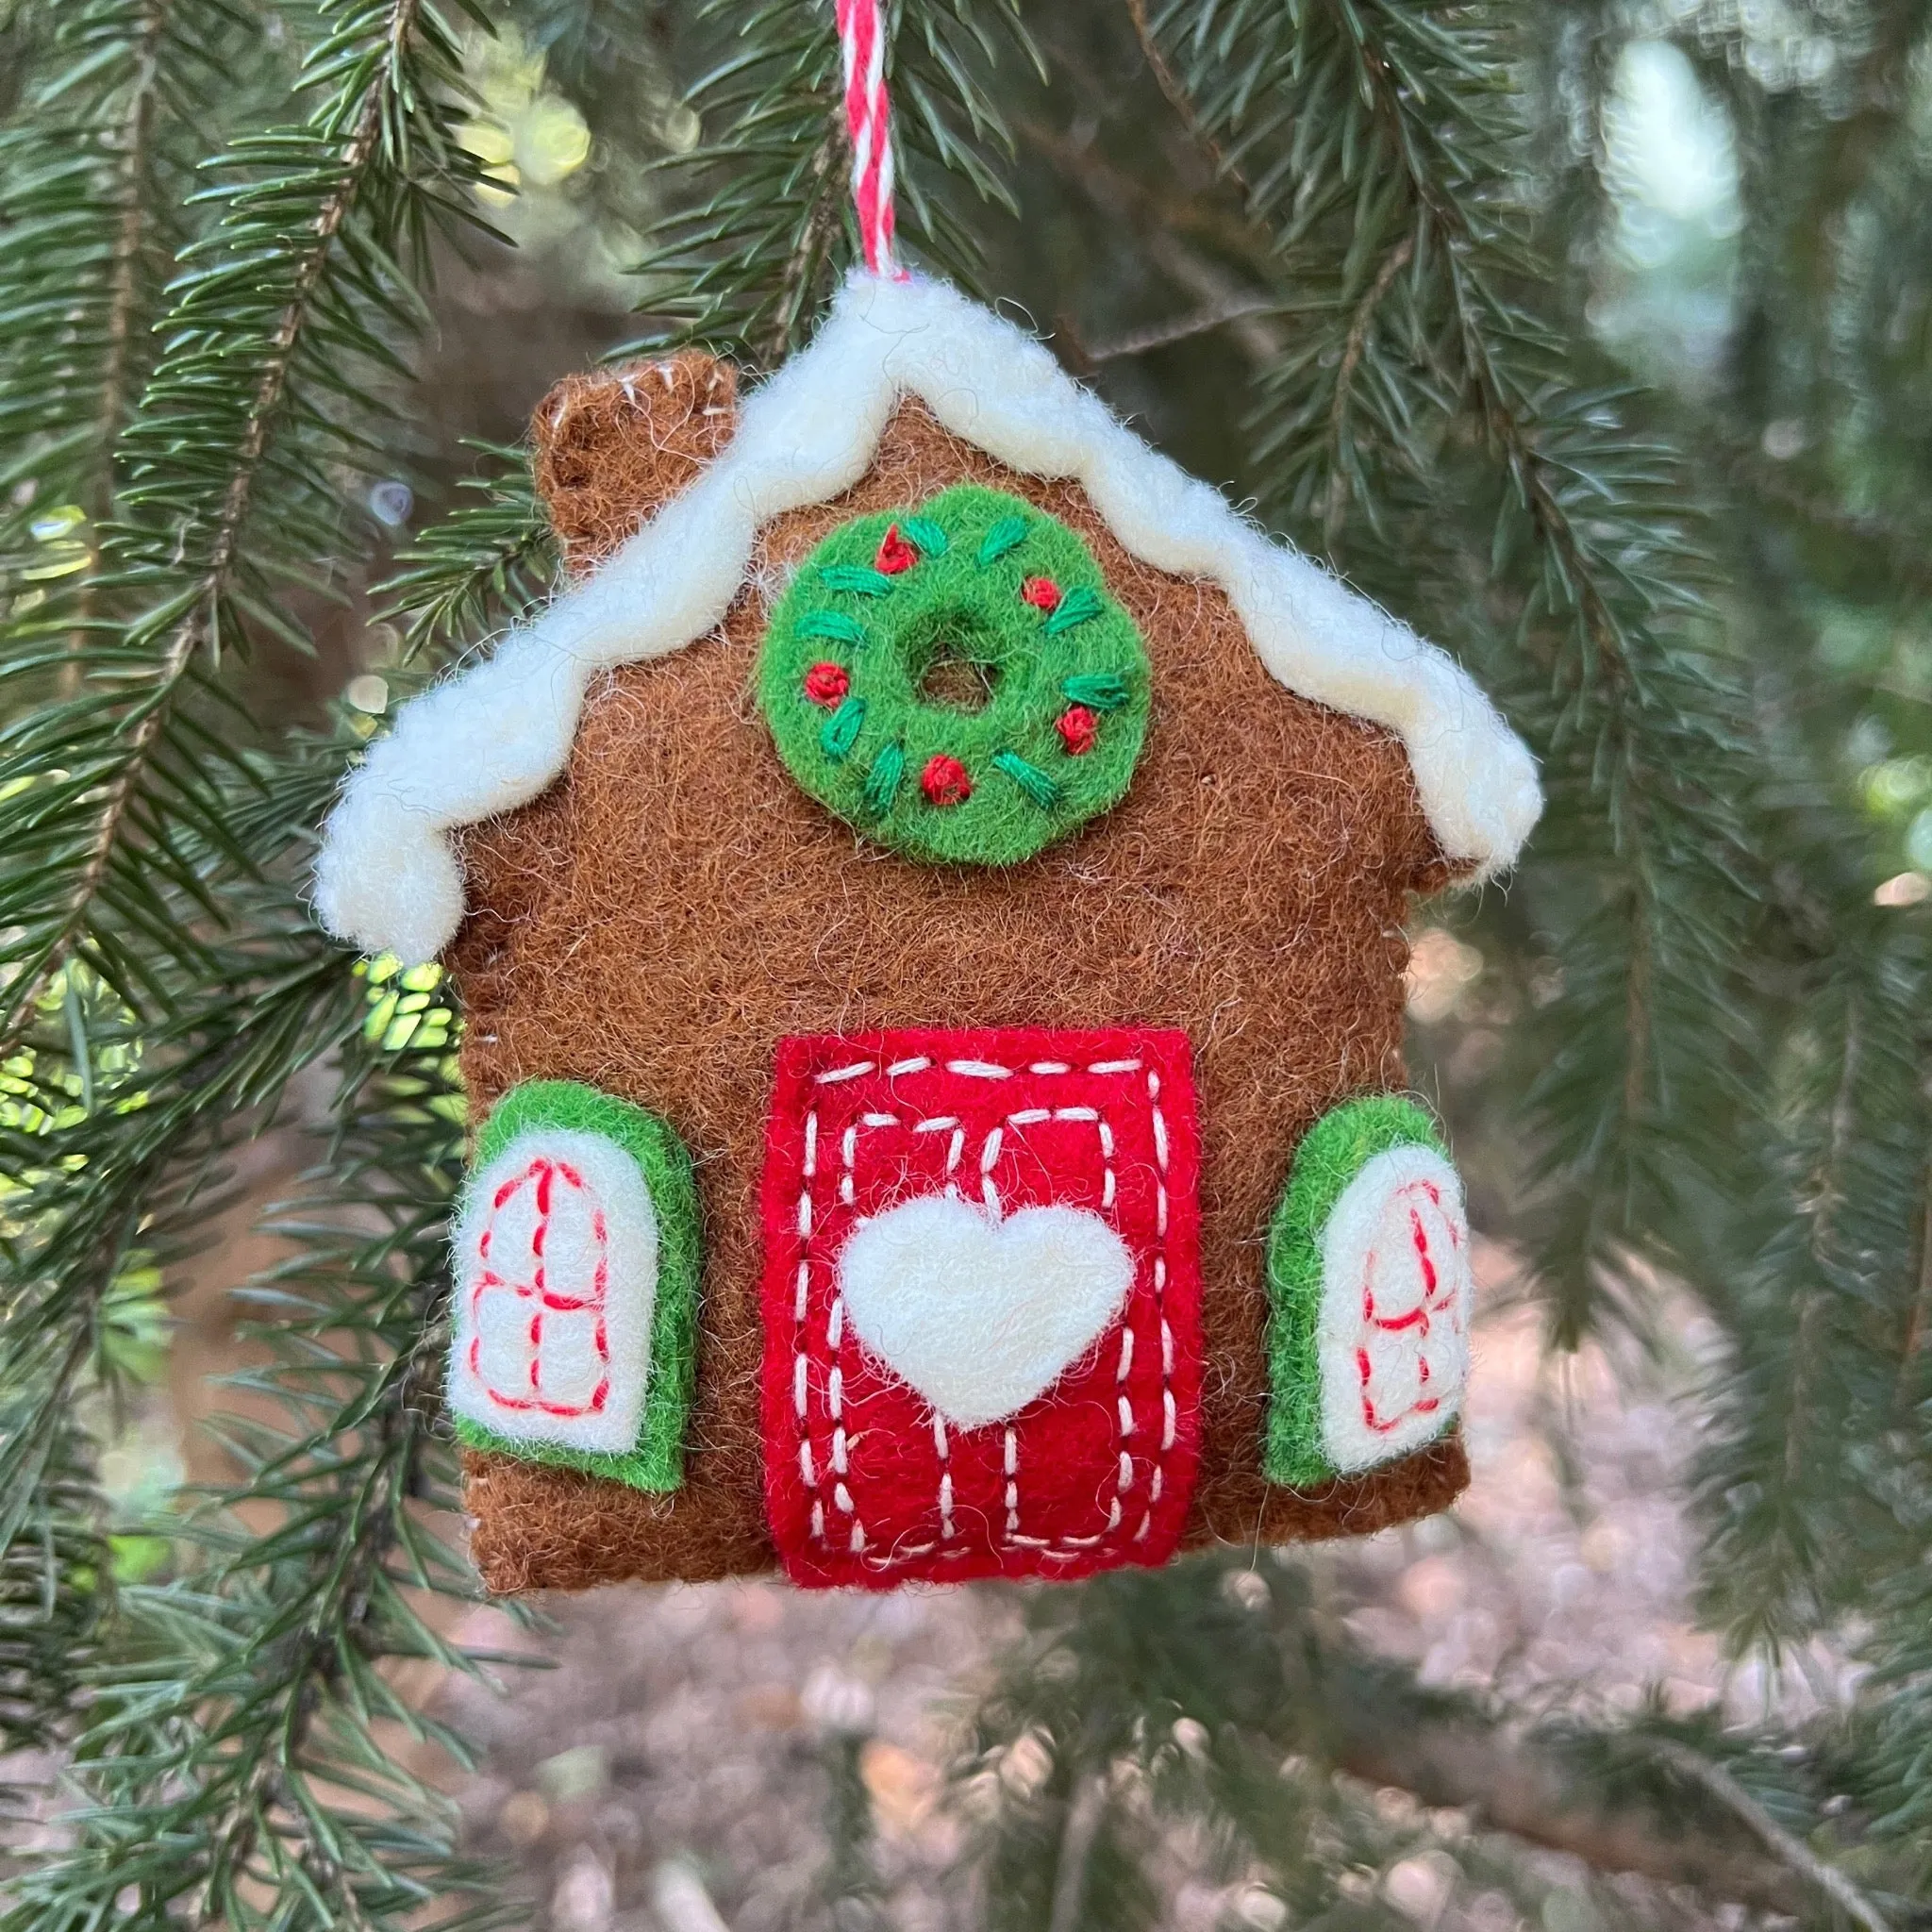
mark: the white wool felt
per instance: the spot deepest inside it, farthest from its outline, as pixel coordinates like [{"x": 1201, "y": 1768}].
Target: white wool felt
[
  {"x": 535, "y": 1266},
  {"x": 981, "y": 1314},
  {"x": 495, "y": 735},
  {"x": 1392, "y": 1336}
]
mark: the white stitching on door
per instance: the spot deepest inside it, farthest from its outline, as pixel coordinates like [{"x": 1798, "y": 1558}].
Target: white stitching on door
[
  {"x": 800, "y": 1365},
  {"x": 835, "y": 1329},
  {"x": 1072, "y": 1546}
]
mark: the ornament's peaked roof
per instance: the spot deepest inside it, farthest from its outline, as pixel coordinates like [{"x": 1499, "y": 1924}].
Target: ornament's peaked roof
[{"x": 495, "y": 735}]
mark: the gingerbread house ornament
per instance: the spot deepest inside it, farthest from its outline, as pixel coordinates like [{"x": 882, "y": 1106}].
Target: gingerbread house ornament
[{"x": 928, "y": 904}]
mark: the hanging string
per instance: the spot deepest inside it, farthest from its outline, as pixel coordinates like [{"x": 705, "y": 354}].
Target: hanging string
[{"x": 869, "y": 118}]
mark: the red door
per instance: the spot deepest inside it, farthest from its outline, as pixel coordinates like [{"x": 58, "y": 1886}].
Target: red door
[{"x": 981, "y": 1301}]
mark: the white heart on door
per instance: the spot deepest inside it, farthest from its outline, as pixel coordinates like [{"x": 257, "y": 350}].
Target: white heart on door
[{"x": 981, "y": 1315}]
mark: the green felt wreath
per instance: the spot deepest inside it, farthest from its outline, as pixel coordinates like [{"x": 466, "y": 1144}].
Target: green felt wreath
[
  {"x": 1005, "y": 594},
  {"x": 1331, "y": 1154},
  {"x": 657, "y": 1460}
]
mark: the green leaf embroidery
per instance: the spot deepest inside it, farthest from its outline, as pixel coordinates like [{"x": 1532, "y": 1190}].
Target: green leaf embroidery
[
  {"x": 1098, "y": 690},
  {"x": 882, "y": 782},
  {"x": 926, "y": 536},
  {"x": 1042, "y": 791},
  {"x": 833, "y": 625},
  {"x": 859, "y": 580},
  {"x": 1006, "y": 535},
  {"x": 841, "y": 731},
  {"x": 1081, "y": 604}
]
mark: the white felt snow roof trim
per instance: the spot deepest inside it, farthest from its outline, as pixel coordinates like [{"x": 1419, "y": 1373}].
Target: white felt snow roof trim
[{"x": 497, "y": 733}]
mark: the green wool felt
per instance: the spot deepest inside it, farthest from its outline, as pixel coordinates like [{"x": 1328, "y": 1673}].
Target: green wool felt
[
  {"x": 657, "y": 1460},
  {"x": 997, "y": 585},
  {"x": 1331, "y": 1154}
]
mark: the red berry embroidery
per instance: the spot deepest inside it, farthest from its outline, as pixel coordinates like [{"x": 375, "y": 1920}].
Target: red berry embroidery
[
  {"x": 827, "y": 684},
  {"x": 1041, "y": 592},
  {"x": 945, "y": 781},
  {"x": 896, "y": 553},
  {"x": 1076, "y": 726}
]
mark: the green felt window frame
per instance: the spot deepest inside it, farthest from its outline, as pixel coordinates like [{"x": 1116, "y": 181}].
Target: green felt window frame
[
  {"x": 1331, "y": 1154},
  {"x": 656, "y": 1462}
]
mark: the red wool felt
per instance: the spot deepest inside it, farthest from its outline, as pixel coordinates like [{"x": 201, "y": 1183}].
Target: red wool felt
[
  {"x": 945, "y": 781},
  {"x": 1043, "y": 593},
  {"x": 827, "y": 684},
  {"x": 1077, "y": 728},
  {"x": 865, "y": 1483},
  {"x": 896, "y": 553}
]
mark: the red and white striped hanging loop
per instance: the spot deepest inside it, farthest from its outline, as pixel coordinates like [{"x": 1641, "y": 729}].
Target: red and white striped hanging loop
[{"x": 869, "y": 118}]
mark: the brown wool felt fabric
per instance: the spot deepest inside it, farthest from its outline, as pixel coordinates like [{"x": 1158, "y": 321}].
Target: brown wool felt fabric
[
  {"x": 659, "y": 919},
  {"x": 613, "y": 446}
]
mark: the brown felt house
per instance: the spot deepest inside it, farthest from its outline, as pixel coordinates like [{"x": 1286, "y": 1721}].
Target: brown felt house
[{"x": 946, "y": 864}]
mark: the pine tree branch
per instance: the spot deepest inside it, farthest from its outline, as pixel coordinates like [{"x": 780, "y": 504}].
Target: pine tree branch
[
  {"x": 88, "y": 178},
  {"x": 235, "y": 466},
  {"x": 1393, "y": 264},
  {"x": 1280, "y": 1700},
  {"x": 1166, "y": 335},
  {"x": 1176, "y": 92},
  {"x": 1921, "y": 1314},
  {"x": 136, "y": 134},
  {"x": 311, "y": 1673},
  {"x": 1159, "y": 218},
  {"x": 136, "y": 142},
  {"x": 1085, "y": 1811},
  {"x": 791, "y": 311},
  {"x": 213, "y": 583},
  {"x": 1531, "y": 1792},
  {"x": 1368, "y": 135},
  {"x": 1828, "y": 1881},
  {"x": 1804, "y": 1461},
  {"x": 1160, "y": 214},
  {"x": 1448, "y": 237},
  {"x": 1901, "y": 547},
  {"x": 160, "y": 1120},
  {"x": 488, "y": 562},
  {"x": 1823, "y": 1192},
  {"x": 251, "y": 1690}
]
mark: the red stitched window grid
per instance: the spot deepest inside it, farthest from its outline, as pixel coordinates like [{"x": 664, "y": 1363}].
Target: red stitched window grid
[
  {"x": 511, "y": 1248},
  {"x": 1419, "y": 1227}
]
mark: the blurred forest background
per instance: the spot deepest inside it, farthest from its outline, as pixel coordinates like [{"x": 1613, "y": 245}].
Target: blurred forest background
[{"x": 1594, "y": 337}]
